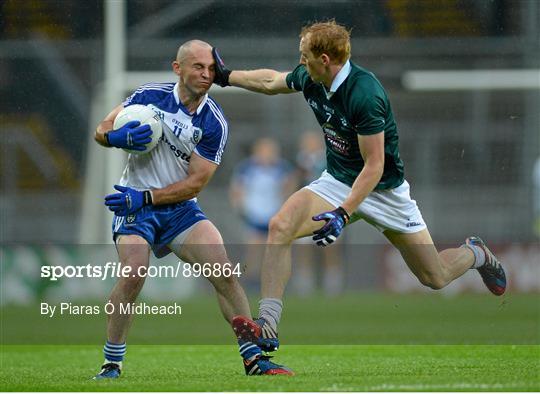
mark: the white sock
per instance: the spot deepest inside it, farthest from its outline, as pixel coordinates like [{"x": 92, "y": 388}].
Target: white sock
[
  {"x": 270, "y": 310},
  {"x": 479, "y": 255}
]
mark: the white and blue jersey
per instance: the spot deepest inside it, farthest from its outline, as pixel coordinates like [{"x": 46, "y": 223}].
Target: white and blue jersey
[{"x": 203, "y": 132}]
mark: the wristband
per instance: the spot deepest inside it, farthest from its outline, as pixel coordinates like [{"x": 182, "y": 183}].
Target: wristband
[
  {"x": 147, "y": 197},
  {"x": 343, "y": 214},
  {"x": 226, "y": 73}
]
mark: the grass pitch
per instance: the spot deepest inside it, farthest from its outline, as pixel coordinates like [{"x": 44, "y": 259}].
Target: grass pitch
[
  {"x": 317, "y": 367},
  {"x": 352, "y": 319},
  {"x": 358, "y": 342}
]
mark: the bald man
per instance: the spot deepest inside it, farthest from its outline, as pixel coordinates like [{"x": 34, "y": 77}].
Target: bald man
[{"x": 156, "y": 205}]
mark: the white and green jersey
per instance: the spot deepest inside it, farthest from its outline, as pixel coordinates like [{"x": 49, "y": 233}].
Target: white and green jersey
[{"x": 358, "y": 105}]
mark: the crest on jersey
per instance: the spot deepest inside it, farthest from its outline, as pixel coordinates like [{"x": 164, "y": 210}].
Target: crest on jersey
[
  {"x": 197, "y": 135},
  {"x": 130, "y": 218}
]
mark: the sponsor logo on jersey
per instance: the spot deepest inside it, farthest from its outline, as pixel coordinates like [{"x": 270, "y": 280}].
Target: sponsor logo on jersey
[
  {"x": 179, "y": 123},
  {"x": 329, "y": 129},
  {"x": 337, "y": 143},
  {"x": 176, "y": 151}
]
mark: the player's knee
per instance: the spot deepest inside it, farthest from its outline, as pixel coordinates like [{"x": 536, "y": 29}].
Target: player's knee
[
  {"x": 280, "y": 229},
  {"x": 136, "y": 276},
  {"x": 434, "y": 282}
]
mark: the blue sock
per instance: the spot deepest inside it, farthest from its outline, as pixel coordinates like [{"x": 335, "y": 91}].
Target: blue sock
[
  {"x": 114, "y": 352},
  {"x": 248, "y": 350}
]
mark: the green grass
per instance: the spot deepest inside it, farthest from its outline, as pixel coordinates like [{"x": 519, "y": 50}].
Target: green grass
[
  {"x": 361, "y": 319},
  {"x": 358, "y": 342},
  {"x": 318, "y": 368}
]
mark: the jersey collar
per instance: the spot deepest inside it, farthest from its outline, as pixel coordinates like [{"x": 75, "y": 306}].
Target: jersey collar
[
  {"x": 340, "y": 77},
  {"x": 184, "y": 109}
]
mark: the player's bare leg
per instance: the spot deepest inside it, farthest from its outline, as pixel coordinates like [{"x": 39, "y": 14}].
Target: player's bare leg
[
  {"x": 294, "y": 220},
  {"x": 133, "y": 251},
  {"x": 204, "y": 245},
  {"x": 436, "y": 270},
  {"x": 432, "y": 268},
  {"x": 291, "y": 222}
]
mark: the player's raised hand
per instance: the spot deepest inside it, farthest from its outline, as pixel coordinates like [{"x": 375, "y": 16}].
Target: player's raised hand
[
  {"x": 128, "y": 201},
  {"x": 131, "y": 136},
  {"x": 335, "y": 221},
  {"x": 222, "y": 72}
]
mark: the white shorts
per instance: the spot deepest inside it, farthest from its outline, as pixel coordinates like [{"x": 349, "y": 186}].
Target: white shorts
[{"x": 391, "y": 209}]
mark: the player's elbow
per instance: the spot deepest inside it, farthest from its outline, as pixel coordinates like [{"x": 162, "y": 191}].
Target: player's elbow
[
  {"x": 196, "y": 186},
  {"x": 268, "y": 90},
  {"x": 378, "y": 168},
  {"x": 100, "y": 139},
  {"x": 194, "y": 192},
  {"x": 270, "y": 86}
]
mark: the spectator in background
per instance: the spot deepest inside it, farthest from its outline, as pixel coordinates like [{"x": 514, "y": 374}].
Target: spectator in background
[
  {"x": 311, "y": 157},
  {"x": 311, "y": 162},
  {"x": 259, "y": 186}
]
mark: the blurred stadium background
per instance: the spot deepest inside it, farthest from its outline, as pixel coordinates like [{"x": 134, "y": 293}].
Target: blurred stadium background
[{"x": 469, "y": 142}]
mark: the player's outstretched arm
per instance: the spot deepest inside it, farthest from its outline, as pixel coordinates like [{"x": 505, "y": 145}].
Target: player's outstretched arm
[
  {"x": 200, "y": 172},
  {"x": 261, "y": 81}
]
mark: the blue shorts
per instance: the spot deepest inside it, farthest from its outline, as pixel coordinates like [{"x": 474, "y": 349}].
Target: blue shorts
[{"x": 159, "y": 224}]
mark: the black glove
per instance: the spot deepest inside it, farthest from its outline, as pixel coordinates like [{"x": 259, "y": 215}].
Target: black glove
[{"x": 222, "y": 72}]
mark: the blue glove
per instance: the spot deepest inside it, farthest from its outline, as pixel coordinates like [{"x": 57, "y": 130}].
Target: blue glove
[
  {"x": 128, "y": 201},
  {"x": 130, "y": 136},
  {"x": 335, "y": 221}
]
